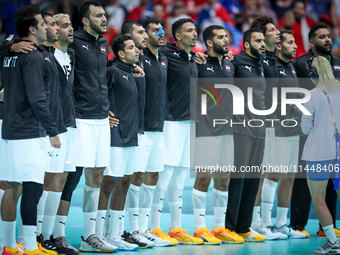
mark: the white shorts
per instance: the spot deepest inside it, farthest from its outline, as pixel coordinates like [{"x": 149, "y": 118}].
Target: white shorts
[
  {"x": 27, "y": 160},
  {"x": 92, "y": 143},
  {"x": 65, "y": 162},
  {"x": 176, "y": 137},
  {"x": 214, "y": 151},
  {"x": 121, "y": 161},
  {"x": 149, "y": 153},
  {"x": 269, "y": 147},
  {"x": 287, "y": 154},
  {"x": 3, "y": 155}
]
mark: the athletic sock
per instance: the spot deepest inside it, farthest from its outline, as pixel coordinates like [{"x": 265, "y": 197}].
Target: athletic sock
[
  {"x": 199, "y": 206},
  {"x": 59, "y": 226},
  {"x": 40, "y": 211},
  {"x": 90, "y": 209},
  {"x": 9, "y": 237},
  {"x": 20, "y": 237},
  {"x": 267, "y": 198},
  {"x": 330, "y": 233},
  {"x": 220, "y": 201},
  {"x": 51, "y": 208},
  {"x": 107, "y": 222},
  {"x": 281, "y": 216},
  {"x": 256, "y": 215},
  {"x": 30, "y": 237},
  {"x": 100, "y": 222},
  {"x": 132, "y": 205},
  {"x": 122, "y": 221},
  {"x": 145, "y": 204},
  {"x": 116, "y": 217}
]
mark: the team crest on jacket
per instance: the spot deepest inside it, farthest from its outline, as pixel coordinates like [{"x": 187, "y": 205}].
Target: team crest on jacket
[
  {"x": 141, "y": 65},
  {"x": 293, "y": 71},
  {"x": 227, "y": 68},
  {"x": 337, "y": 67},
  {"x": 262, "y": 73},
  {"x": 102, "y": 49},
  {"x": 163, "y": 64}
]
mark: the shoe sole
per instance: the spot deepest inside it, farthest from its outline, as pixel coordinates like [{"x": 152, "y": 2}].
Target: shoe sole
[
  {"x": 253, "y": 241},
  {"x": 164, "y": 245},
  {"x": 97, "y": 251},
  {"x": 134, "y": 249},
  {"x": 211, "y": 243},
  {"x": 188, "y": 243},
  {"x": 231, "y": 242}
]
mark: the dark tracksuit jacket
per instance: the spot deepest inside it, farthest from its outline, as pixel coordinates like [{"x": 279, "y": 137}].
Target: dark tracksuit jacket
[
  {"x": 123, "y": 96},
  {"x": 91, "y": 100},
  {"x": 156, "y": 90},
  {"x": 140, "y": 82},
  {"x": 211, "y": 71},
  {"x": 26, "y": 106},
  {"x": 301, "y": 199},
  {"x": 248, "y": 145},
  {"x": 180, "y": 71}
]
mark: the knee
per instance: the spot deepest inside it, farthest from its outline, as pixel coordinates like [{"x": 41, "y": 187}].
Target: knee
[
  {"x": 137, "y": 179},
  {"x": 107, "y": 184},
  {"x": 202, "y": 184},
  {"x": 16, "y": 189}
]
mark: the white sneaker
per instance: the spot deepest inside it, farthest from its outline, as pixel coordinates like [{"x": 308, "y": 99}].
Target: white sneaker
[
  {"x": 282, "y": 236},
  {"x": 121, "y": 244},
  {"x": 269, "y": 233},
  {"x": 290, "y": 232},
  {"x": 93, "y": 244},
  {"x": 329, "y": 248},
  {"x": 158, "y": 241},
  {"x": 142, "y": 239},
  {"x": 106, "y": 242}
]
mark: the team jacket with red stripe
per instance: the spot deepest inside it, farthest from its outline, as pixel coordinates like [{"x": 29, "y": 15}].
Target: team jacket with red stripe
[
  {"x": 156, "y": 91},
  {"x": 26, "y": 107}
]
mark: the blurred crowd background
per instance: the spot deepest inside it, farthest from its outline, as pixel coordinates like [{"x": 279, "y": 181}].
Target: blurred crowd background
[{"x": 234, "y": 15}]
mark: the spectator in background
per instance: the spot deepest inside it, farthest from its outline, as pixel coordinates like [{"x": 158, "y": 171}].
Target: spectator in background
[
  {"x": 214, "y": 13},
  {"x": 234, "y": 48},
  {"x": 318, "y": 7},
  {"x": 234, "y": 7},
  {"x": 159, "y": 10},
  {"x": 194, "y": 7},
  {"x": 130, "y": 4},
  {"x": 116, "y": 15},
  {"x": 281, "y": 7},
  {"x": 262, "y": 9},
  {"x": 137, "y": 12},
  {"x": 301, "y": 27},
  {"x": 178, "y": 11}
]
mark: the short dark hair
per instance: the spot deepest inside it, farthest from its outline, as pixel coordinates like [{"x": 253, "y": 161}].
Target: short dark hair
[
  {"x": 208, "y": 33},
  {"x": 127, "y": 26},
  {"x": 45, "y": 14},
  {"x": 25, "y": 18},
  {"x": 146, "y": 23},
  {"x": 261, "y": 23},
  {"x": 177, "y": 26},
  {"x": 312, "y": 32},
  {"x": 247, "y": 35},
  {"x": 119, "y": 43},
  {"x": 84, "y": 9},
  {"x": 283, "y": 32}
]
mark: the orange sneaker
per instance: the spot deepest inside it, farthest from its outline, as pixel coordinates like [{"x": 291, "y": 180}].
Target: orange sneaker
[
  {"x": 158, "y": 232},
  {"x": 227, "y": 236},
  {"x": 34, "y": 252},
  {"x": 206, "y": 236},
  {"x": 252, "y": 237},
  {"x": 11, "y": 251},
  {"x": 183, "y": 237},
  {"x": 321, "y": 233}
]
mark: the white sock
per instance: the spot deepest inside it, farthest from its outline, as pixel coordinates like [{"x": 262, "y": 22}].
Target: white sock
[
  {"x": 51, "y": 208},
  {"x": 30, "y": 237},
  {"x": 40, "y": 211},
  {"x": 145, "y": 204},
  {"x": 220, "y": 202},
  {"x": 330, "y": 233},
  {"x": 9, "y": 237},
  {"x": 20, "y": 237},
  {"x": 156, "y": 212},
  {"x": 107, "y": 222},
  {"x": 132, "y": 205},
  {"x": 89, "y": 223},
  {"x": 199, "y": 205},
  {"x": 256, "y": 215},
  {"x": 267, "y": 198},
  {"x": 59, "y": 226},
  {"x": 2, "y": 192},
  {"x": 281, "y": 216},
  {"x": 176, "y": 213},
  {"x": 100, "y": 222},
  {"x": 122, "y": 221},
  {"x": 116, "y": 217}
]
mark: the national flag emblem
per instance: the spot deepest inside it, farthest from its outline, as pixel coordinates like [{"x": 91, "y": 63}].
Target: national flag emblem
[
  {"x": 262, "y": 73},
  {"x": 163, "y": 64},
  {"x": 102, "y": 49},
  {"x": 336, "y": 67},
  {"x": 293, "y": 71},
  {"x": 227, "y": 67}
]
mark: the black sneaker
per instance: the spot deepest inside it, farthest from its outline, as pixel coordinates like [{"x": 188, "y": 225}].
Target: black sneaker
[
  {"x": 127, "y": 237},
  {"x": 61, "y": 250},
  {"x": 46, "y": 249}
]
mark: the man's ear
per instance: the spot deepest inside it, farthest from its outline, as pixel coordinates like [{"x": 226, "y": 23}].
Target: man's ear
[
  {"x": 32, "y": 30},
  {"x": 85, "y": 21},
  {"x": 210, "y": 43},
  {"x": 121, "y": 54},
  {"x": 246, "y": 45},
  {"x": 178, "y": 36}
]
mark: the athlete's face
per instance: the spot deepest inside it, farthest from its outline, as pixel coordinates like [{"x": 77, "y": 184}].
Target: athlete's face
[
  {"x": 257, "y": 46},
  {"x": 139, "y": 36},
  {"x": 272, "y": 34},
  {"x": 220, "y": 42},
  {"x": 322, "y": 41},
  {"x": 289, "y": 47},
  {"x": 52, "y": 30},
  {"x": 65, "y": 30},
  {"x": 188, "y": 35},
  {"x": 130, "y": 54},
  {"x": 42, "y": 29},
  {"x": 98, "y": 19},
  {"x": 154, "y": 40}
]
